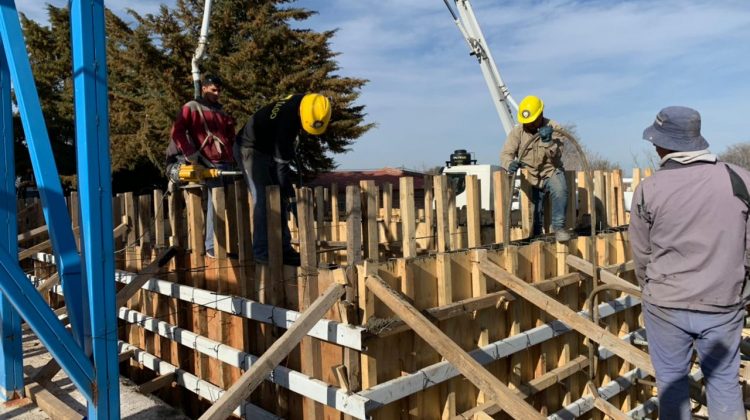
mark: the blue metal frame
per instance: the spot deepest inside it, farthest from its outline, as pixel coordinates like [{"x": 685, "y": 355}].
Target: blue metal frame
[
  {"x": 11, "y": 354},
  {"x": 45, "y": 170},
  {"x": 95, "y": 191},
  {"x": 90, "y": 298}
]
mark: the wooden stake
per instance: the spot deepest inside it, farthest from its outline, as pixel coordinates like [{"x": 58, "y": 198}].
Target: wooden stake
[
  {"x": 500, "y": 198},
  {"x": 408, "y": 218},
  {"x": 441, "y": 204}
]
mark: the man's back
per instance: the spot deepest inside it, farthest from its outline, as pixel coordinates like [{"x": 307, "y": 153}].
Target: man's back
[{"x": 688, "y": 233}]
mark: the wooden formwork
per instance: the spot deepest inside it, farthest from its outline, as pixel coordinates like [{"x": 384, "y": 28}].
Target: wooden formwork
[{"x": 204, "y": 321}]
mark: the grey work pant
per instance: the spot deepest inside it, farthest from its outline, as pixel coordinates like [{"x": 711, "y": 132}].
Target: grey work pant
[{"x": 672, "y": 334}]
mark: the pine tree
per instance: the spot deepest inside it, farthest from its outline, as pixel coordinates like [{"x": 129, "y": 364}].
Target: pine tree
[
  {"x": 261, "y": 58},
  {"x": 252, "y": 47}
]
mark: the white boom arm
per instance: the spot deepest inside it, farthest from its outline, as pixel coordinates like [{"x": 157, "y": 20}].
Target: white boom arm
[
  {"x": 200, "y": 51},
  {"x": 469, "y": 27}
]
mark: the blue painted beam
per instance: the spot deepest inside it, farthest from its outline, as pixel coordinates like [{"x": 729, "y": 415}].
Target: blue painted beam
[
  {"x": 11, "y": 353},
  {"x": 58, "y": 341},
  {"x": 45, "y": 170},
  {"x": 95, "y": 192}
]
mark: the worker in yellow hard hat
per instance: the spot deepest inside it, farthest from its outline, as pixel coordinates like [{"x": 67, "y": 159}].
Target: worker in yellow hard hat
[
  {"x": 542, "y": 157},
  {"x": 265, "y": 147}
]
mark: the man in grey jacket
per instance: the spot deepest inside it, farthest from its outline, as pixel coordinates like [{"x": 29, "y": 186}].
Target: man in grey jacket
[{"x": 689, "y": 234}]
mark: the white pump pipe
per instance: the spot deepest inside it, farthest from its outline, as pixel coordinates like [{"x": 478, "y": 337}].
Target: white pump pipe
[{"x": 200, "y": 52}]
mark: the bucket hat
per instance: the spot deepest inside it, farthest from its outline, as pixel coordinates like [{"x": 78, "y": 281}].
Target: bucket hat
[{"x": 677, "y": 128}]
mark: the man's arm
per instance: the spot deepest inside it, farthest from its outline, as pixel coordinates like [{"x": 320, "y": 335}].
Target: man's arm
[
  {"x": 180, "y": 134},
  {"x": 639, "y": 232},
  {"x": 510, "y": 149}
]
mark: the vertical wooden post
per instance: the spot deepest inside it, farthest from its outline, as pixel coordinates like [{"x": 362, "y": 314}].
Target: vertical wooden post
[
  {"x": 310, "y": 348},
  {"x": 370, "y": 192},
  {"x": 406, "y": 203},
  {"x": 320, "y": 231},
  {"x": 352, "y": 358},
  {"x": 618, "y": 199},
  {"x": 369, "y": 365},
  {"x": 429, "y": 215},
  {"x": 648, "y": 172},
  {"x": 159, "y": 234},
  {"x": 454, "y": 233},
  {"x": 196, "y": 242},
  {"x": 600, "y": 199},
  {"x": 387, "y": 209},
  {"x": 501, "y": 202},
  {"x": 441, "y": 205},
  {"x": 473, "y": 224},
  {"x": 335, "y": 216},
  {"x": 583, "y": 196},
  {"x": 75, "y": 216},
  {"x": 570, "y": 211},
  {"x": 526, "y": 205},
  {"x": 636, "y": 179}
]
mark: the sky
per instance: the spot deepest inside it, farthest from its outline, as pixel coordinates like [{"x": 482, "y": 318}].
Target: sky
[{"x": 605, "y": 66}]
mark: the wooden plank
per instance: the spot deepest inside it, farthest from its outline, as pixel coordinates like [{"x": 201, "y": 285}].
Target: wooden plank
[
  {"x": 534, "y": 387},
  {"x": 569, "y": 317},
  {"x": 369, "y": 212},
  {"x": 526, "y": 205},
  {"x": 49, "y": 403},
  {"x": 444, "y": 280},
  {"x": 636, "y": 179},
  {"x": 455, "y": 231},
  {"x": 500, "y": 199},
  {"x": 387, "y": 208},
  {"x": 606, "y": 276},
  {"x": 335, "y": 213},
  {"x": 429, "y": 215},
  {"x": 600, "y": 199},
  {"x": 352, "y": 359},
  {"x": 310, "y": 349},
  {"x": 159, "y": 233},
  {"x": 197, "y": 314},
  {"x": 604, "y": 406},
  {"x": 570, "y": 210},
  {"x": 473, "y": 211},
  {"x": 33, "y": 233},
  {"x": 441, "y": 206},
  {"x": 249, "y": 380},
  {"x": 408, "y": 218},
  {"x": 470, "y": 368},
  {"x": 275, "y": 253},
  {"x": 157, "y": 383},
  {"x": 75, "y": 217},
  {"x": 477, "y": 303},
  {"x": 144, "y": 276}
]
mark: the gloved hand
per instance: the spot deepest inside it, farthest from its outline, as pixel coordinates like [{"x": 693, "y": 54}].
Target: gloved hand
[
  {"x": 514, "y": 165},
  {"x": 545, "y": 134},
  {"x": 194, "y": 158}
]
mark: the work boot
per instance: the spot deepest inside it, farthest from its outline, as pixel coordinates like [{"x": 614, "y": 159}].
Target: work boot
[{"x": 562, "y": 235}]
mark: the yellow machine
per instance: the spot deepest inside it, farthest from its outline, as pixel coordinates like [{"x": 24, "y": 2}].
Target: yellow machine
[{"x": 187, "y": 173}]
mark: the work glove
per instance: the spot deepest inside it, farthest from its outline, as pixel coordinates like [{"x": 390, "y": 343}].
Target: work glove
[
  {"x": 514, "y": 165},
  {"x": 545, "y": 134}
]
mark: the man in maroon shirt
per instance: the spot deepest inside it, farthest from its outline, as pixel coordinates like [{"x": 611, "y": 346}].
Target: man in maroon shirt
[{"x": 204, "y": 134}]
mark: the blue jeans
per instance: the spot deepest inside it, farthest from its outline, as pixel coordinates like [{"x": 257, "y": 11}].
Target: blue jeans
[
  {"x": 672, "y": 334},
  {"x": 261, "y": 170},
  {"x": 557, "y": 189},
  {"x": 210, "y": 185}
]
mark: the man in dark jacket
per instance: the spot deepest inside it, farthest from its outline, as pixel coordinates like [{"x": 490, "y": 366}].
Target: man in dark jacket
[
  {"x": 265, "y": 147},
  {"x": 689, "y": 234},
  {"x": 203, "y": 134}
]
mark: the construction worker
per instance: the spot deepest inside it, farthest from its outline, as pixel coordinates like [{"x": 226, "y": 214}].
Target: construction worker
[
  {"x": 542, "y": 159},
  {"x": 265, "y": 148},
  {"x": 688, "y": 230},
  {"x": 203, "y": 134}
]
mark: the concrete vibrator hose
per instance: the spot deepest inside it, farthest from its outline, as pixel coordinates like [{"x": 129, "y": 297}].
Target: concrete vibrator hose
[{"x": 571, "y": 140}]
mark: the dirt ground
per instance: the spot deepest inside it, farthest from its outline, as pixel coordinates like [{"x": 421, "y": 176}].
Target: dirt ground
[{"x": 133, "y": 405}]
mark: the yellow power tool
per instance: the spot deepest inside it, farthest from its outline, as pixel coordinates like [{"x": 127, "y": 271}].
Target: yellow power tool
[{"x": 199, "y": 173}]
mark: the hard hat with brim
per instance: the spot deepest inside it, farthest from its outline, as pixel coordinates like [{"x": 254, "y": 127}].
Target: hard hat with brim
[
  {"x": 677, "y": 128},
  {"x": 530, "y": 109}
]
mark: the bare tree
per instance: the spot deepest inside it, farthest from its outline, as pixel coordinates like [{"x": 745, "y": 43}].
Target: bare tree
[
  {"x": 738, "y": 154},
  {"x": 572, "y": 160}
]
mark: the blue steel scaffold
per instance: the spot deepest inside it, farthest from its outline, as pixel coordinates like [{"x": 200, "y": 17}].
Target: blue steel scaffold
[{"x": 89, "y": 356}]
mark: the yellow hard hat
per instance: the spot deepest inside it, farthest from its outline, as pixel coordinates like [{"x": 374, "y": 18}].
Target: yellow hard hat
[
  {"x": 315, "y": 113},
  {"x": 530, "y": 109}
]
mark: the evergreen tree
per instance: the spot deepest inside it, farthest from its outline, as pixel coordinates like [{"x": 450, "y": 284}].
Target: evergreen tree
[
  {"x": 252, "y": 46},
  {"x": 261, "y": 58}
]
